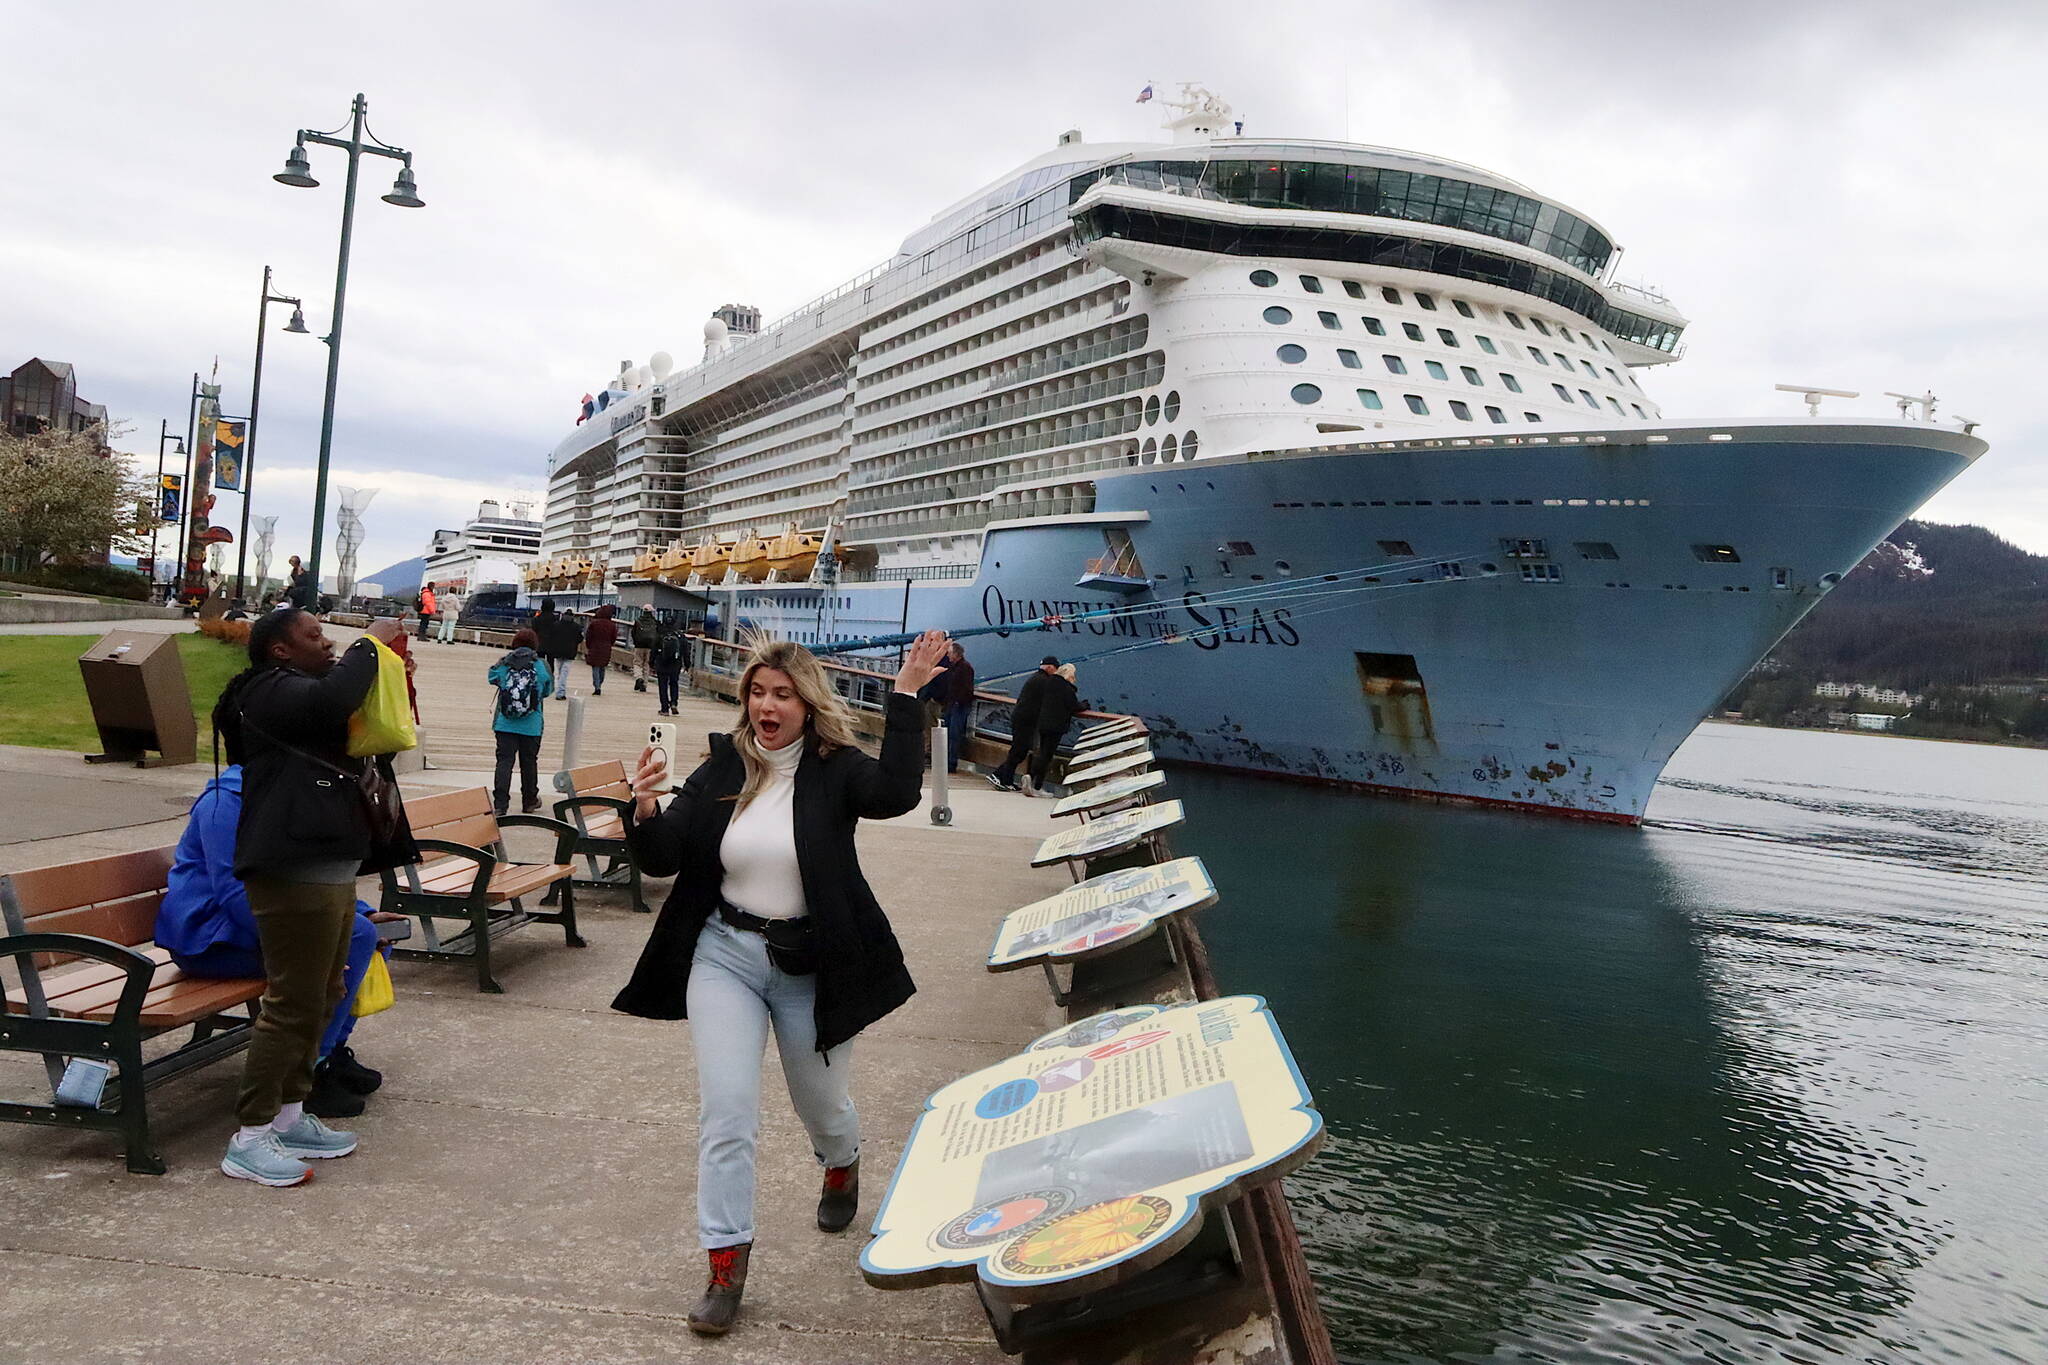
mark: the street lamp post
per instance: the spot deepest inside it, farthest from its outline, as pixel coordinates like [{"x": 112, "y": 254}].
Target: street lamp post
[
  {"x": 297, "y": 324},
  {"x": 404, "y": 194},
  {"x": 163, "y": 438},
  {"x": 185, "y": 480}
]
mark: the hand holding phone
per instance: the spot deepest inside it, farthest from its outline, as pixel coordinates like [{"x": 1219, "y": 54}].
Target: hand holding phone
[{"x": 655, "y": 773}]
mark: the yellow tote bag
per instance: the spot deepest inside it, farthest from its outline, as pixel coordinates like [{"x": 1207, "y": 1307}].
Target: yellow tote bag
[
  {"x": 383, "y": 723},
  {"x": 374, "y": 995}
]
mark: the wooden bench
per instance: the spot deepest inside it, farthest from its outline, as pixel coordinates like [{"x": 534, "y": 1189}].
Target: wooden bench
[
  {"x": 127, "y": 991},
  {"x": 475, "y": 880},
  {"x": 598, "y": 798}
]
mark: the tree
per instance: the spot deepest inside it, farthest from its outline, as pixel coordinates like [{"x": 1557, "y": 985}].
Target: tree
[{"x": 62, "y": 498}]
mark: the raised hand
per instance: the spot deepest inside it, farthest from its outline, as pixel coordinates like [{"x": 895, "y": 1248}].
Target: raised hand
[{"x": 922, "y": 662}]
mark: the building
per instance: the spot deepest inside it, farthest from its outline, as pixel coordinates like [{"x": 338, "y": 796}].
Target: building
[
  {"x": 1888, "y": 696},
  {"x": 42, "y": 395}
]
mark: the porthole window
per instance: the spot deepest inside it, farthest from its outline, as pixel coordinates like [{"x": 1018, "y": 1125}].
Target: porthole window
[
  {"x": 1172, "y": 409},
  {"x": 1617, "y": 408},
  {"x": 1461, "y": 411},
  {"x": 1494, "y": 414},
  {"x": 1329, "y": 320},
  {"x": 1349, "y": 359},
  {"x": 1541, "y": 330},
  {"x": 1538, "y": 356},
  {"x": 1563, "y": 360},
  {"x": 1189, "y": 445},
  {"x": 1591, "y": 401},
  {"x": 1513, "y": 321},
  {"x": 1436, "y": 371},
  {"x": 1613, "y": 376},
  {"x": 1446, "y": 336},
  {"x": 1512, "y": 384},
  {"x": 1354, "y": 289},
  {"x": 1370, "y": 398},
  {"x": 1395, "y": 365},
  {"x": 1411, "y": 331},
  {"x": 1426, "y": 302},
  {"x": 1152, "y": 410},
  {"x": 1291, "y": 354},
  {"x": 1415, "y": 404},
  {"x": 1532, "y": 417},
  {"x": 1306, "y": 393},
  {"x": 1149, "y": 451},
  {"x": 1390, "y": 294},
  {"x": 1282, "y": 566},
  {"x": 1639, "y": 411},
  {"x": 1486, "y": 345},
  {"x": 1471, "y": 376},
  {"x": 1464, "y": 308},
  {"x": 1374, "y": 326},
  {"x": 1265, "y": 279},
  {"x": 1311, "y": 284},
  {"x": 1278, "y": 316},
  {"x": 1167, "y": 449},
  {"x": 1563, "y": 395}
]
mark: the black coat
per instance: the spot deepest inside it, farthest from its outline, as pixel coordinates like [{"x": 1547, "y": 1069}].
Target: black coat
[
  {"x": 861, "y": 976},
  {"x": 1060, "y": 704},
  {"x": 1024, "y": 715},
  {"x": 306, "y": 806}
]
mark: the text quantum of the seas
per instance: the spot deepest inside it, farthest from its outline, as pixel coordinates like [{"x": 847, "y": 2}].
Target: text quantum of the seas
[{"x": 1208, "y": 625}]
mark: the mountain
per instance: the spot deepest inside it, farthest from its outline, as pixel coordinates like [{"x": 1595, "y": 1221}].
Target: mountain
[
  {"x": 398, "y": 580},
  {"x": 1931, "y": 606}
]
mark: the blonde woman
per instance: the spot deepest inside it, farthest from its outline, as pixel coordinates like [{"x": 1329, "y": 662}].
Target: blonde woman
[{"x": 770, "y": 926}]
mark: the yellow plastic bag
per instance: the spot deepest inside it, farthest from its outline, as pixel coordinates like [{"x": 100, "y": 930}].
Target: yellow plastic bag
[
  {"x": 383, "y": 723},
  {"x": 374, "y": 995}
]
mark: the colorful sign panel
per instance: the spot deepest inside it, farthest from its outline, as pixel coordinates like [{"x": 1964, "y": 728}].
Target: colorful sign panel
[
  {"x": 1110, "y": 793},
  {"x": 1100, "y": 915},
  {"x": 1110, "y": 834},
  {"x": 1095, "y": 772},
  {"x": 1100, "y": 734},
  {"x": 170, "y": 493},
  {"x": 230, "y": 434},
  {"x": 1092, "y": 1155}
]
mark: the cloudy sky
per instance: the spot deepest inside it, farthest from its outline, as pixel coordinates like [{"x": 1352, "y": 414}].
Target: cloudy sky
[{"x": 1839, "y": 194}]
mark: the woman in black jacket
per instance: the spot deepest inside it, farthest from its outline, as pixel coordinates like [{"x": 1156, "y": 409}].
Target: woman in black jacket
[
  {"x": 1056, "y": 712},
  {"x": 770, "y": 923}
]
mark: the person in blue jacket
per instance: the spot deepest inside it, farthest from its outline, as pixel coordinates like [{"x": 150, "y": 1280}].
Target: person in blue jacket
[
  {"x": 206, "y": 924},
  {"x": 522, "y": 678}
]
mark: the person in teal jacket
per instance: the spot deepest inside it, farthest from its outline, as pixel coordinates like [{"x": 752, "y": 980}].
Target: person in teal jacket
[
  {"x": 206, "y": 923},
  {"x": 523, "y": 679}
]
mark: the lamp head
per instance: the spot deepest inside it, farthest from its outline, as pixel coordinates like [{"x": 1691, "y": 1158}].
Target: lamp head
[
  {"x": 181, "y": 445},
  {"x": 297, "y": 171},
  {"x": 405, "y": 192},
  {"x": 298, "y": 322}
]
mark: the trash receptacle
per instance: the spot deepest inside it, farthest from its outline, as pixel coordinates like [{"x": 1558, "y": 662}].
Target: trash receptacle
[{"x": 136, "y": 684}]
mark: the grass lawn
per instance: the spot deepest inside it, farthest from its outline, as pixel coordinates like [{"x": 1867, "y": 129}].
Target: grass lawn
[{"x": 42, "y": 696}]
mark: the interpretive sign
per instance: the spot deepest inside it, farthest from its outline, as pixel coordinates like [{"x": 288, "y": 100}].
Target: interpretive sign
[
  {"x": 1091, "y": 1156},
  {"x": 1101, "y": 734},
  {"x": 1100, "y": 915},
  {"x": 1109, "y": 793},
  {"x": 1110, "y": 834},
  {"x": 1116, "y": 748},
  {"x": 1095, "y": 772}
]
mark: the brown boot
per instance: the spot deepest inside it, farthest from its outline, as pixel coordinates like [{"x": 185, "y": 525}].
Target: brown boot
[
  {"x": 713, "y": 1315},
  {"x": 840, "y": 1197}
]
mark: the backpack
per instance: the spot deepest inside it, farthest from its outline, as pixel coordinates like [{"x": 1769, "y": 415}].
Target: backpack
[{"x": 519, "y": 694}]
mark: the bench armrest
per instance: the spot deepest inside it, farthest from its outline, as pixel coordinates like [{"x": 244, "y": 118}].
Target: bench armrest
[
  {"x": 566, "y": 834},
  {"x": 140, "y": 969},
  {"x": 484, "y": 859},
  {"x": 567, "y": 810}
]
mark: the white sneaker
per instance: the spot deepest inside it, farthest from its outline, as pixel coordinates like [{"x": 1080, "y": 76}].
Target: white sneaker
[{"x": 264, "y": 1160}]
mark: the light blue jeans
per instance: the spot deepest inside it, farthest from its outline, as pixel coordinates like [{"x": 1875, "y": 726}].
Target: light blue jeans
[{"x": 735, "y": 994}]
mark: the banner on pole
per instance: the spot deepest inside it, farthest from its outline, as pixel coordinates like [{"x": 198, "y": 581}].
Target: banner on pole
[
  {"x": 170, "y": 487},
  {"x": 229, "y": 435}
]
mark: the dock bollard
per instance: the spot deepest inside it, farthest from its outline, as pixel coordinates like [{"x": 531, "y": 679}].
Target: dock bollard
[
  {"x": 942, "y": 811},
  {"x": 572, "y": 733}
]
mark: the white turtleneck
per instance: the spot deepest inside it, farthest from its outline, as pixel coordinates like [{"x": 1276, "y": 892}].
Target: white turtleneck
[{"x": 759, "y": 848}]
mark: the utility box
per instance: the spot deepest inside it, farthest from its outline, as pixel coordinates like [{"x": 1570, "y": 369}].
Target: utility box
[{"x": 136, "y": 684}]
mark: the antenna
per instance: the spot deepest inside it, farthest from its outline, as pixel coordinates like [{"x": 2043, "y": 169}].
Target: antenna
[
  {"x": 1814, "y": 393},
  {"x": 1907, "y": 400},
  {"x": 348, "y": 522}
]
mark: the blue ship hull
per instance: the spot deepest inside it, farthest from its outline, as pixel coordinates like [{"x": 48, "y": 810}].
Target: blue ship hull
[{"x": 1606, "y": 595}]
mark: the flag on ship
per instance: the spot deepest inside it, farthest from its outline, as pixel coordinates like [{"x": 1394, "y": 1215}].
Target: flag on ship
[
  {"x": 589, "y": 409},
  {"x": 1145, "y": 95}
]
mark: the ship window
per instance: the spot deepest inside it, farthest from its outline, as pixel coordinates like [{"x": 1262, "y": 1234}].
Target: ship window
[
  {"x": 1291, "y": 354},
  {"x": 1486, "y": 344},
  {"x": 1513, "y": 321},
  {"x": 1396, "y": 697},
  {"x": 1436, "y": 371},
  {"x": 1562, "y": 392},
  {"x": 1390, "y": 294},
  {"x": 1349, "y": 359},
  {"x": 1716, "y": 554},
  {"x": 1538, "y": 356},
  {"x": 1374, "y": 326},
  {"x": 1311, "y": 283},
  {"x": 1525, "y": 549},
  {"x": 1471, "y": 376},
  {"x": 1265, "y": 279},
  {"x": 1495, "y": 415},
  {"x": 1354, "y": 289},
  {"x": 1397, "y": 548},
  {"x": 1563, "y": 359},
  {"x": 1172, "y": 408},
  {"x": 1329, "y": 320},
  {"x": 1425, "y": 302},
  {"x": 1617, "y": 408},
  {"x": 1461, "y": 411},
  {"x": 1446, "y": 336},
  {"x": 1464, "y": 308},
  {"x": 1411, "y": 331},
  {"x": 1541, "y": 330},
  {"x": 1532, "y": 416},
  {"x": 1370, "y": 398},
  {"x": 1513, "y": 384},
  {"x": 1415, "y": 404},
  {"x": 1395, "y": 365},
  {"x": 1781, "y": 578},
  {"x": 1306, "y": 393},
  {"x": 1613, "y": 376},
  {"x": 1278, "y": 315},
  {"x": 1591, "y": 401},
  {"x": 1189, "y": 445},
  {"x": 1166, "y": 449},
  {"x": 1152, "y": 410},
  {"x": 1591, "y": 373},
  {"x": 1150, "y": 451},
  {"x": 1639, "y": 411},
  {"x": 1594, "y": 549},
  {"x": 1541, "y": 573}
]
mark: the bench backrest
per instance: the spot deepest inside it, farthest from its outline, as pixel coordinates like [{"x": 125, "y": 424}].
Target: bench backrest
[
  {"x": 114, "y": 898},
  {"x": 599, "y": 779},
  {"x": 462, "y": 817}
]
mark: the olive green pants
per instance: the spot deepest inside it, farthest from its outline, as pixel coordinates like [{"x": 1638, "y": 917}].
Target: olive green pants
[{"x": 303, "y": 929}]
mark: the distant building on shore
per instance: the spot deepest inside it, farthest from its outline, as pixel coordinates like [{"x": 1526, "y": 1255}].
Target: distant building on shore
[
  {"x": 42, "y": 395},
  {"x": 1887, "y": 696}
]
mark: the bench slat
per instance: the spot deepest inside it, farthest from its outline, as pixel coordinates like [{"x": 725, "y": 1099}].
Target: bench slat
[
  {"x": 446, "y": 807},
  {"x": 42, "y": 890},
  {"x": 195, "y": 1001}
]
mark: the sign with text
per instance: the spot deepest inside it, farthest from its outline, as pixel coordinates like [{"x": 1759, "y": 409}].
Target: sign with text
[
  {"x": 1110, "y": 834},
  {"x": 1092, "y": 1155},
  {"x": 1110, "y": 793},
  {"x": 1116, "y": 748},
  {"x": 1095, "y": 772},
  {"x": 1100, "y": 734},
  {"x": 1100, "y": 915}
]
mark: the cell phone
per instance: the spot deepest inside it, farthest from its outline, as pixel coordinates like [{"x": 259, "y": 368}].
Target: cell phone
[{"x": 661, "y": 735}]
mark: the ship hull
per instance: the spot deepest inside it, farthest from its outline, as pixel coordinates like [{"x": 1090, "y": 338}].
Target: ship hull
[{"x": 1605, "y": 597}]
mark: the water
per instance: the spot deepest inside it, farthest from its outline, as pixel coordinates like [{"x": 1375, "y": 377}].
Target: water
[{"x": 1766, "y": 1080}]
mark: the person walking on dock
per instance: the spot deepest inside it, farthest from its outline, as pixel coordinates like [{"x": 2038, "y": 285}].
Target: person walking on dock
[
  {"x": 559, "y": 637},
  {"x": 671, "y": 656},
  {"x": 426, "y": 604},
  {"x": 646, "y": 635},
  {"x": 522, "y": 680},
  {"x": 1056, "y": 711},
  {"x": 1024, "y": 724},
  {"x": 598, "y": 639},
  {"x": 771, "y": 926},
  {"x": 450, "y": 603}
]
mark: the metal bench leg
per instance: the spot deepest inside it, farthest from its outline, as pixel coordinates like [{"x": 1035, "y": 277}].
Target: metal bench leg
[
  {"x": 480, "y": 944},
  {"x": 142, "y": 1156},
  {"x": 575, "y": 939}
]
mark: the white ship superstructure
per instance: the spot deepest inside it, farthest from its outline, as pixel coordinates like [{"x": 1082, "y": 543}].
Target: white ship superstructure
[{"x": 496, "y": 537}]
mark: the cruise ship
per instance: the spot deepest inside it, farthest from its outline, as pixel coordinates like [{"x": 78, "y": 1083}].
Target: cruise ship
[
  {"x": 1334, "y": 462},
  {"x": 490, "y": 550}
]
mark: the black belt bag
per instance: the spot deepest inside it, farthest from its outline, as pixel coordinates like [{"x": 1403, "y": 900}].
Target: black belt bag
[{"x": 792, "y": 946}]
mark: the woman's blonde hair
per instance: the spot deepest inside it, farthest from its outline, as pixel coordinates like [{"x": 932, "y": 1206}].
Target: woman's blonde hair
[
  {"x": 1067, "y": 672},
  {"x": 828, "y": 723}
]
